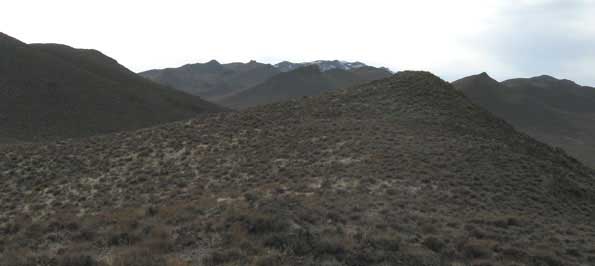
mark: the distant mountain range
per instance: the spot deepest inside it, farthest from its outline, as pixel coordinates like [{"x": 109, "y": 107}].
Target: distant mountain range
[
  {"x": 558, "y": 112},
  {"x": 240, "y": 85},
  {"x": 213, "y": 80},
  {"x": 53, "y": 91},
  {"x": 304, "y": 81}
]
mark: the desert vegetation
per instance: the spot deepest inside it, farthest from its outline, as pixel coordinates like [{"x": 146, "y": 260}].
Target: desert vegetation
[{"x": 402, "y": 171}]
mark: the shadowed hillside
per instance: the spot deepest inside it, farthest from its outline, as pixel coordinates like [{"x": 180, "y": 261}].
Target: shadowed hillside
[
  {"x": 558, "y": 112},
  {"x": 51, "y": 91},
  {"x": 400, "y": 171}
]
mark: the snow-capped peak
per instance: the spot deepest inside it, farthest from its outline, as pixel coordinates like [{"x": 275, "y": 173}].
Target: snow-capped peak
[{"x": 324, "y": 65}]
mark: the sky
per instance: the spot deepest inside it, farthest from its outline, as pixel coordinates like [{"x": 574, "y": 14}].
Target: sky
[{"x": 453, "y": 39}]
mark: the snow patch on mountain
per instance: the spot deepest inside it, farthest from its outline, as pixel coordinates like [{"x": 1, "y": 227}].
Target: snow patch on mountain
[{"x": 324, "y": 65}]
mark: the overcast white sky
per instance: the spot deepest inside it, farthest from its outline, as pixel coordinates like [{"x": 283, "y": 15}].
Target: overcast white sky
[{"x": 506, "y": 38}]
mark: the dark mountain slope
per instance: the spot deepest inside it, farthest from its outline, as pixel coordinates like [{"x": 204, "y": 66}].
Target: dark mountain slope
[
  {"x": 50, "y": 91},
  {"x": 213, "y": 80},
  {"x": 401, "y": 171},
  {"x": 305, "y": 81},
  {"x": 92, "y": 61},
  {"x": 560, "y": 94},
  {"x": 558, "y": 112}
]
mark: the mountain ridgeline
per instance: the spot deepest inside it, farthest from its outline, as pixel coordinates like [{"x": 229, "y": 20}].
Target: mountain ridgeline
[
  {"x": 558, "y": 112},
  {"x": 239, "y": 85},
  {"x": 400, "y": 171},
  {"x": 213, "y": 80},
  {"x": 52, "y": 91}
]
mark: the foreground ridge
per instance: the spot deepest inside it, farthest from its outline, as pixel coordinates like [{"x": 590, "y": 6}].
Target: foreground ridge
[{"x": 400, "y": 171}]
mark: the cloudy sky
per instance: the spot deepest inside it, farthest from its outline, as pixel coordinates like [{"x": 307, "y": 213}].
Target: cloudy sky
[{"x": 506, "y": 38}]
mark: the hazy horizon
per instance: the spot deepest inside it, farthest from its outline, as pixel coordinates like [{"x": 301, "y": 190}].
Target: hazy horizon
[{"x": 506, "y": 39}]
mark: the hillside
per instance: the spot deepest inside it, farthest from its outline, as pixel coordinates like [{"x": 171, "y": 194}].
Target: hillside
[
  {"x": 305, "y": 81},
  {"x": 400, "y": 171},
  {"x": 213, "y": 80},
  {"x": 51, "y": 91},
  {"x": 558, "y": 112}
]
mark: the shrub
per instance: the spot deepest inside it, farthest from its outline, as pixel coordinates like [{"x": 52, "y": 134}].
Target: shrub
[
  {"x": 10, "y": 228},
  {"x": 151, "y": 211},
  {"x": 257, "y": 223},
  {"x": 177, "y": 262},
  {"x": 29, "y": 260},
  {"x": 218, "y": 257},
  {"x": 573, "y": 252},
  {"x": 85, "y": 234},
  {"x": 333, "y": 246},
  {"x": 77, "y": 260},
  {"x": 138, "y": 257},
  {"x": 299, "y": 243},
  {"x": 269, "y": 260},
  {"x": 514, "y": 253},
  {"x": 121, "y": 239},
  {"x": 434, "y": 244},
  {"x": 477, "y": 249},
  {"x": 159, "y": 245},
  {"x": 373, "y": 250},
  {"x": 250, "y": 197},
  {"x": 385, "y": 242},
  {"x": 545, "y": 259}
]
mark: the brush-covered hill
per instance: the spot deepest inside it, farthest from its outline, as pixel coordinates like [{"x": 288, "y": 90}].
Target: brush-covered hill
[
  {"x": 558, "y": 112},
  {"x": 304, "y": 81},
  {"x": 52, "y": 91},
  {"x": 401, "y": 171},
  {"x": 213, "y": 80}
]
